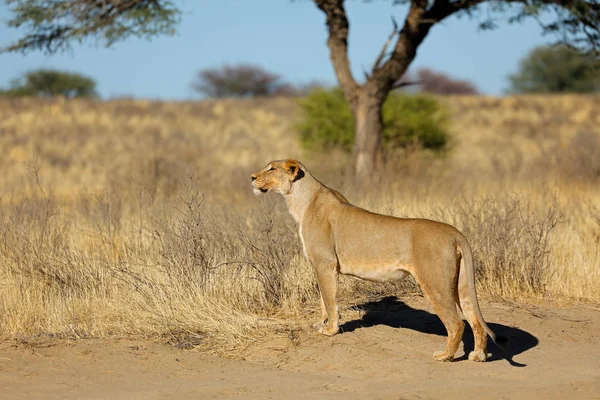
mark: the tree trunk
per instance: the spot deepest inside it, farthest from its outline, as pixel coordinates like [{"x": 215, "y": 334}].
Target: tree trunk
[
  {"x": 368, "y": 134},
  {"x": 367, "y": 100}
]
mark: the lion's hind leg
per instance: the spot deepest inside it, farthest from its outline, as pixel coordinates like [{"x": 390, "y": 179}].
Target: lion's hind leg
[
  {"x": 454, "y": 326},
  {"x": 443, "y": 300},
  {"x": 479, "y": 353}
]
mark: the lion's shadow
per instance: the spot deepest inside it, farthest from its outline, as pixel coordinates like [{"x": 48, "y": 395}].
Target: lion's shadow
[{"x": 393, "y": 312}]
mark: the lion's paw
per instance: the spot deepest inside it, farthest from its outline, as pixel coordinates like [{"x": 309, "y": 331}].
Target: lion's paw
[
  {"x": 478, "y": 355},
  {"x": 442, "y": 356},
  {"x": 329, "y": 331}
]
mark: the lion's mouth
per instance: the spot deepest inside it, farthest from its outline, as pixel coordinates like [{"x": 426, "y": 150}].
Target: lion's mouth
[{"x": 258, "y": 191}]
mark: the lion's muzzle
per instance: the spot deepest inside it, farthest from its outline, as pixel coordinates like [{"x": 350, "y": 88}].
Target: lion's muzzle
[{"x": 255, "y": 186}]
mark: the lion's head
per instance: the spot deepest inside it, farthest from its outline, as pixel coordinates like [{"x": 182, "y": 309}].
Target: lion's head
[{"x": 278, "y": 176}]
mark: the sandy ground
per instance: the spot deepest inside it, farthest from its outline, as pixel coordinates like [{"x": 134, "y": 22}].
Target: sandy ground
[{"x": 384, "y": 353}]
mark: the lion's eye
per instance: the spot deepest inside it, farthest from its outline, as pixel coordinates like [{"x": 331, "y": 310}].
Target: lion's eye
[{"x": 271, "y": 169}]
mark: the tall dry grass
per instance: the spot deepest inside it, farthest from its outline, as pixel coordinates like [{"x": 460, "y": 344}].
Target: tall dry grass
[{"x": 136, "y": 218}]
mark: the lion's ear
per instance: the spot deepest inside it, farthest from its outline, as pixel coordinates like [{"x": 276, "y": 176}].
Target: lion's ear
[{"x": 294, "y": 170}]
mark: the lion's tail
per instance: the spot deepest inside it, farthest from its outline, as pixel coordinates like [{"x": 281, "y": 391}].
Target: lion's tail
[{"x": 467, "y": 257}]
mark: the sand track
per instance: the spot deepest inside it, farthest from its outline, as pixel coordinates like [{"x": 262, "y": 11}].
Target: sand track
[{"x": 383, "y": 354}]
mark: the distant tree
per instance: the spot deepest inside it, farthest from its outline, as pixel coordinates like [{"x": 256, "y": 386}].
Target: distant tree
[
  {"x": 439, "y": 83},
  {"x": 557, "y": 69},
  {"x": 47, "y": 83},
  {"x": 51, "y": 26},
  {"x": 244, "y": 80}
]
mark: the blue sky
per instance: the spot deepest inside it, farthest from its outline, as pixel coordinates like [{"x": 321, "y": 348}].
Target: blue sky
[{"x": 287, "y": 38}]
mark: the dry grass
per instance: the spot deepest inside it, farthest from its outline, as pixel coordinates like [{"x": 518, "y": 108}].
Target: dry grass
[{"x": 136, "y": 218}]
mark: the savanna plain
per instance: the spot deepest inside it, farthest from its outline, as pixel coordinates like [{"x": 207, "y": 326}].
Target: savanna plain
[{"x": 135, "y": 262}]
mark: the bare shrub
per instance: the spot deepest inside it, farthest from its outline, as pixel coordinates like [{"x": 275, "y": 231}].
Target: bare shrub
[
  {"x": 199, "y": 257},
  {"x": 435, "y": 82},
  {"x": 439, "y": 83},
  {"x": 37, "y": 246},
  {"x": 43, "y": 274},
  {"x": 202, "y": 243},
  {"x": 511, "y": 241}
]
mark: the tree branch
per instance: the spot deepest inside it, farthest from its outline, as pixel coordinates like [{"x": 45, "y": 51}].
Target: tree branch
[
  {"x": 416, "y": 26},
  {"x": 379, "y": 59},
  {"x": 412, "y": 34},
  {"x": 337, "y": 24},
  {"x": 401, "y": 84}
]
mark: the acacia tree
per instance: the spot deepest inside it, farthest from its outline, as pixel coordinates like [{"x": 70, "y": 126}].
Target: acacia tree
[{"x": 578, "y": 21}]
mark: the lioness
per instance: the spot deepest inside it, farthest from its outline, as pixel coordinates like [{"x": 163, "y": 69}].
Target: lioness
[{"x": 339, "y": 238}]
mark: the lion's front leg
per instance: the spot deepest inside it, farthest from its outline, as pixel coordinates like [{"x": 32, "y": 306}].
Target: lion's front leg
[
  {"x": 321, "y": 322},
  {"x": 327, "y": 277}
]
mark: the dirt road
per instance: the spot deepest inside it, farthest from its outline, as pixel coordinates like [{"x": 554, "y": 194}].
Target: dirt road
[{"x": 384, "y": 353}]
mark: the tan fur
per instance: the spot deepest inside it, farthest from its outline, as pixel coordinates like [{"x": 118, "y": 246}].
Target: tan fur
[{"x": 339, "y": 238}]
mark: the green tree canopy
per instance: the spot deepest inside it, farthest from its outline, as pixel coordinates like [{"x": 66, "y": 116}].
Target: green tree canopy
[
  {"x": 557, "y": 69},
  {"x": 47, "y": 83},
  {"x": 52, "y": 25}
]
